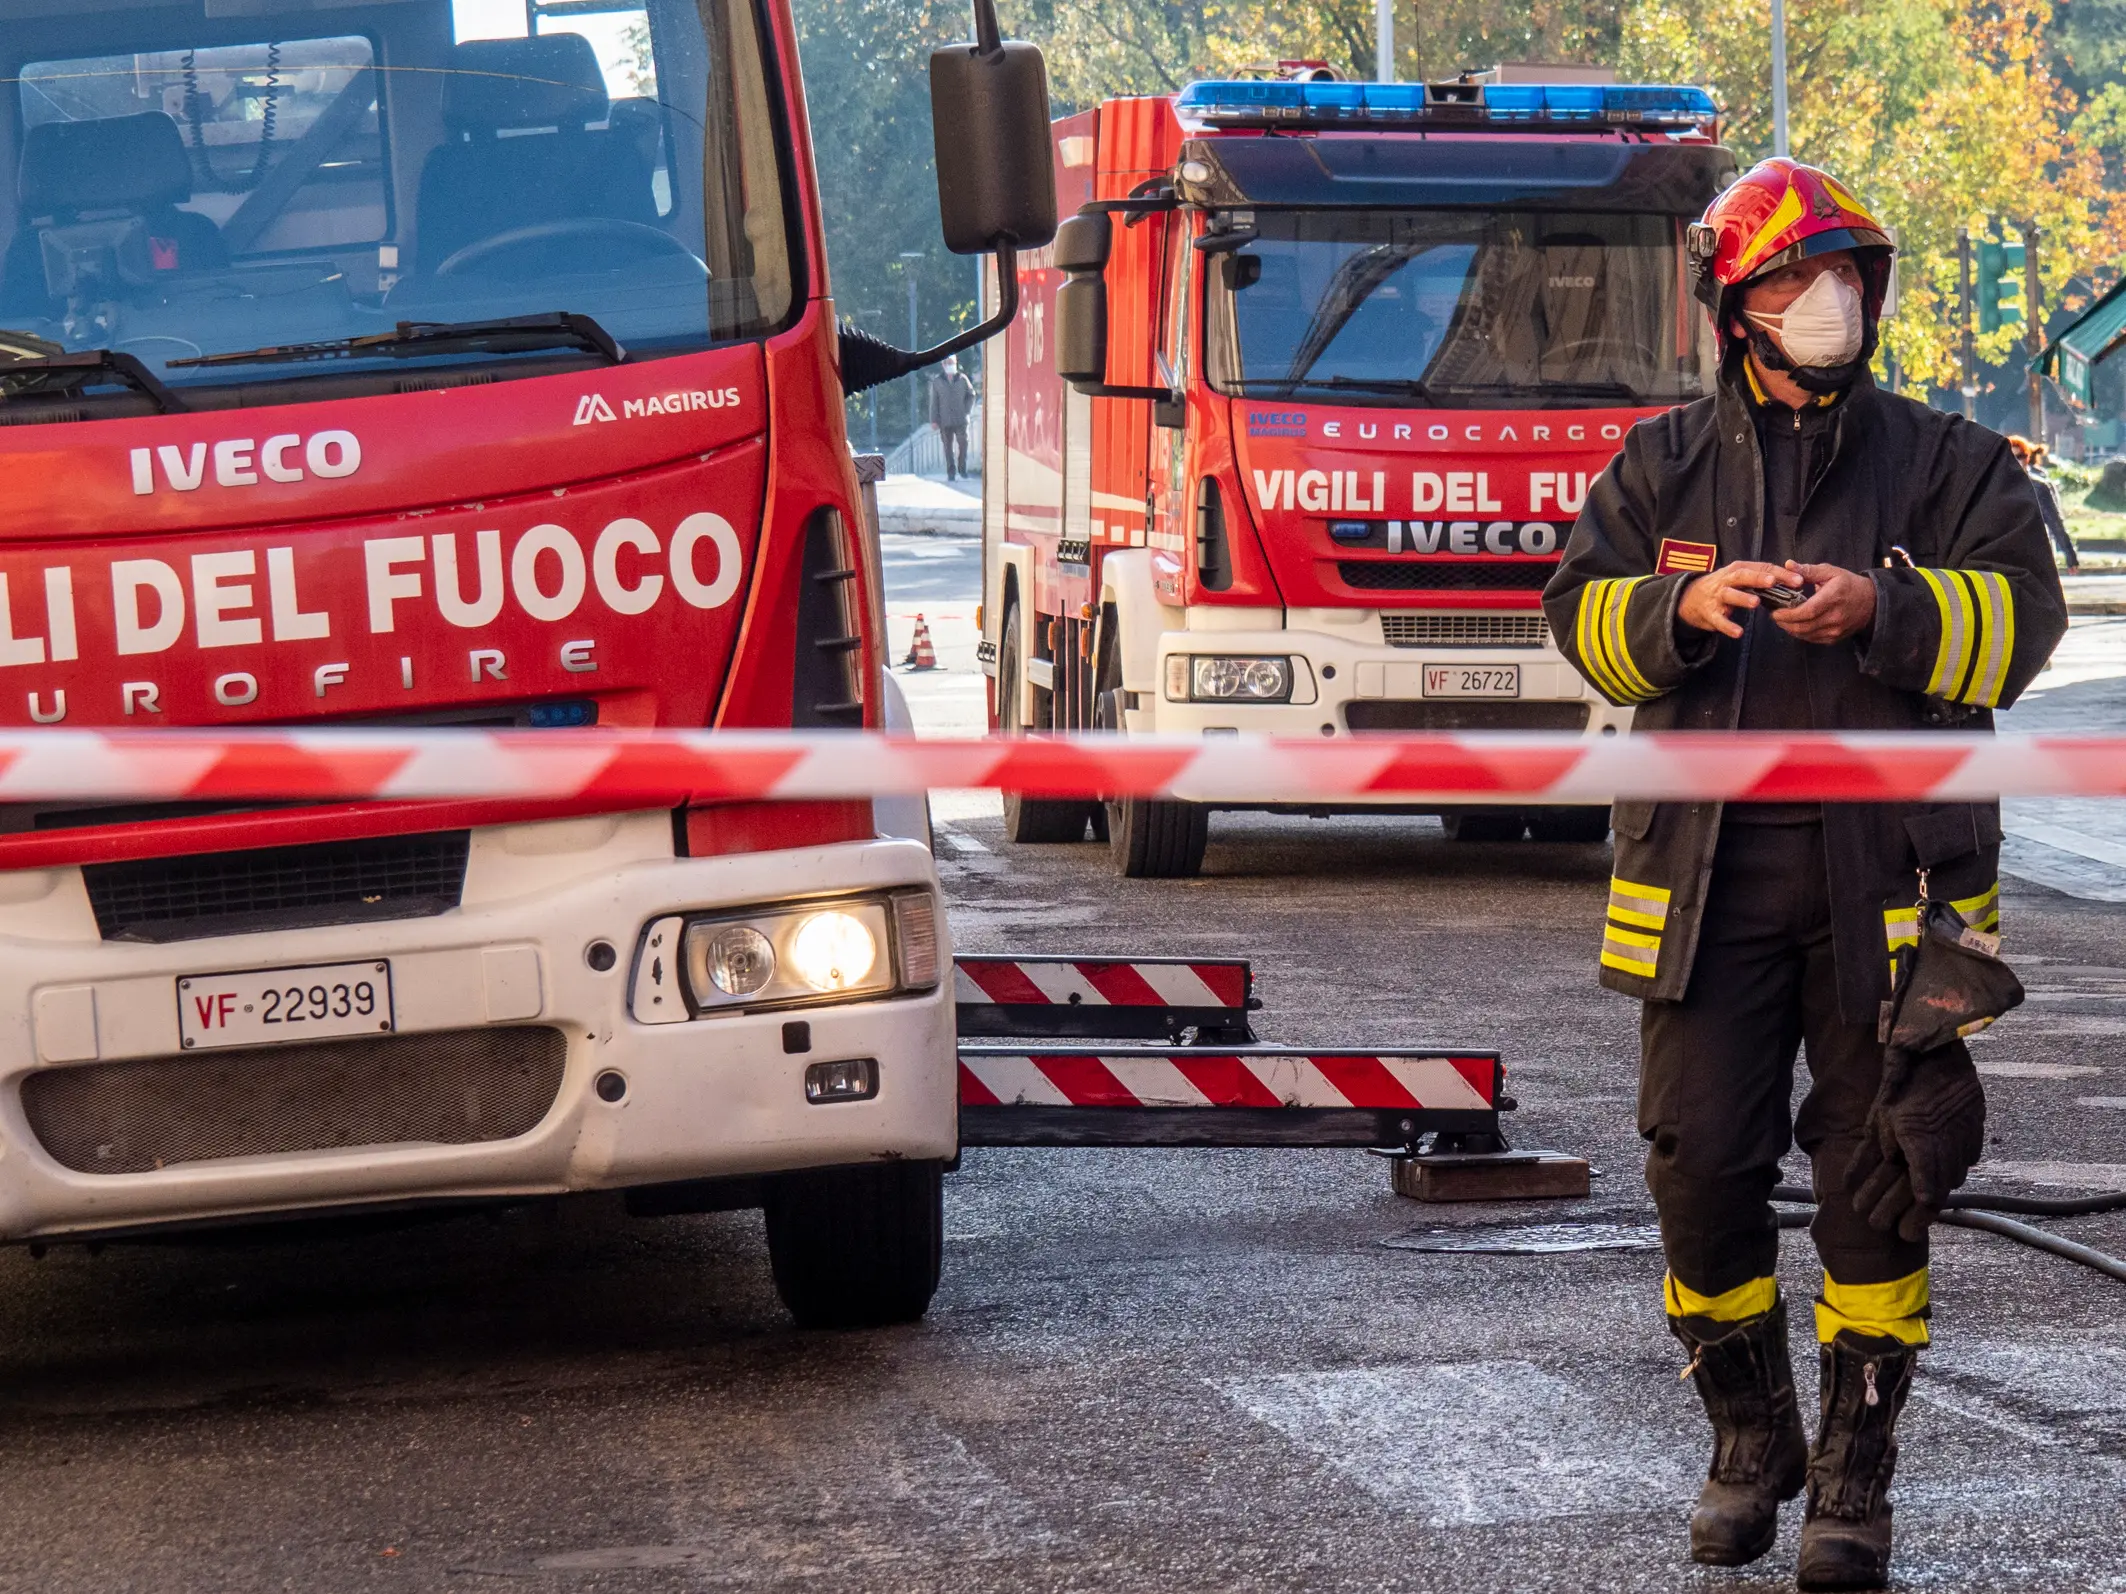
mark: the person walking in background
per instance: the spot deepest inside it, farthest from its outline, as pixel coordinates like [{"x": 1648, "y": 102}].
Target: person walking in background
[
  {"x": 951, "y": 402},
  {"x": 2032, "y": 456}
]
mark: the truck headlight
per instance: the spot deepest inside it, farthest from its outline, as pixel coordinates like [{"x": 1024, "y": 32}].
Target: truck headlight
[
  {"x": 782, "y": 955},
  {"x": 1227, "y": 678},
  {"x": 833, "y": 951}
]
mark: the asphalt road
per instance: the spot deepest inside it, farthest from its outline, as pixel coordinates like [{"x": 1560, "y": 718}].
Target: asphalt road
[{"x": 1170, "y": 1371}]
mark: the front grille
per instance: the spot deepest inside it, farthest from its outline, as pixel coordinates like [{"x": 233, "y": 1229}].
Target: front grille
[
  {"x": 1465, "y": 630},
  {"x": 448, "y": 1088},
  {"x": 1463, "y": 714},
  {"x": 278, "y": 888},
  {"x": 1440, "y": 575}
]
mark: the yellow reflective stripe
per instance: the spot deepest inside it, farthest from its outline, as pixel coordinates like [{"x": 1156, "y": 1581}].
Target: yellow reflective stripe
[
  {"x": 1951, "y": 654},
  {"x": 1982, "y": 912},
  {"x": 1753, "y": 1299},
  {"x": 1900, "y": 927},
  {"x": 1977, "y": 635},
  {"x": 1630, "y": 951},
  {"x": 1789, "y": 210},
  {"x": 1996, "y": 604},
  {"x": 1632, "y": 903},
  {"x": 1587, "y": 633},
  {"x": 1896, "y": 1310},
  {"x": 1637, "y": 686}
]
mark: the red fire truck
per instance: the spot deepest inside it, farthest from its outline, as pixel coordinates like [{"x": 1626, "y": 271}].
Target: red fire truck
[
  {"x": 1302, "y": 406},
  {"x": 459, "y": 363}
]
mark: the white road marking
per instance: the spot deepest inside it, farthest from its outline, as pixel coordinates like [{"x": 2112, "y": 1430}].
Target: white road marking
[
  {"x": 2066, "y": 838},
  {"x": 957, "y": 842},
  {"x": 1475, "y": 1444},
  {"x": 2101, "y": 1176},
  {"x": 2110, "y": 1103},
  {"x": 2006, "y": 1070}
]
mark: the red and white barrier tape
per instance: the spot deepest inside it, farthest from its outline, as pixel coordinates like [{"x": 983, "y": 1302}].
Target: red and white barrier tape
[{"x": 665, "y": 767}]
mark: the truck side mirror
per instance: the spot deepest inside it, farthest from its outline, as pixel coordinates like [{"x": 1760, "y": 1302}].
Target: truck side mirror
[
  {"x": 1082, "y": 245},
  {"x": 989, "y": 121}
]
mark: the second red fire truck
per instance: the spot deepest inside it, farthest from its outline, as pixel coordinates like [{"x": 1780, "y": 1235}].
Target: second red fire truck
[{"x": 1302, "y": 405}]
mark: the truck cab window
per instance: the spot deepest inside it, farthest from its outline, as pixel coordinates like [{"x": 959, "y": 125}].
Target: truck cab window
[
  {"x": 188, "y": 188},
  {"x": 1458, "y": 309}
]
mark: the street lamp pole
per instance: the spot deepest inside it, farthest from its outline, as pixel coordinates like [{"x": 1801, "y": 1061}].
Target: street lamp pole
[
  {"x": 1779, "y": 144},
  {"x": 1384, "y": 40},
  {"x": 908, "y": 259}
]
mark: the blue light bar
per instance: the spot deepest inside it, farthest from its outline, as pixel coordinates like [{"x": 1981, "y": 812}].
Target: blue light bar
[{"x": 1286, "y": 103}]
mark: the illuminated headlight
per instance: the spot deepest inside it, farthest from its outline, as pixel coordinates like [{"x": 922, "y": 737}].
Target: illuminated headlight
[
  {"x": 834, "y": 950},
  {"x": 1224, "y": 678},
  {"x": 829, "y": 951}
]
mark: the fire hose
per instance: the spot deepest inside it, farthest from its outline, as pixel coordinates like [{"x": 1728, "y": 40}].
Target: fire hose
[{"x": 1973, "y": 1209}]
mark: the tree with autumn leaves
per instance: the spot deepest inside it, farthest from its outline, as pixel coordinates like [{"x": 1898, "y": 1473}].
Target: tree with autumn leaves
[{"x": 1940, "y": 113}]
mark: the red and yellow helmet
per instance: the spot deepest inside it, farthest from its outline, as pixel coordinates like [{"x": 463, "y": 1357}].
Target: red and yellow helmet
[{"x": 1777, "y": 212}]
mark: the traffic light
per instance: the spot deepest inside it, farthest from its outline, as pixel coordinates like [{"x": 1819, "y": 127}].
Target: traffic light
[{"x": 2000, "y": 284}]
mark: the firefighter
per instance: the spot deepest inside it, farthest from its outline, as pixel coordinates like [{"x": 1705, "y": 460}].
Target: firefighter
[{"x": 1800, "y": 551}]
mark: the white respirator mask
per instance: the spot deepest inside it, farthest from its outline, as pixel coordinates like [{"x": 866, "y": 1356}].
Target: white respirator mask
[{"x": 1822, "y": 327}]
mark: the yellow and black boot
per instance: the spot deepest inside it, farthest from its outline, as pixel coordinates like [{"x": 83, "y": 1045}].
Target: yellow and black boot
[
  {"x": 1760, "y": 1451},
  {"x": 1845, "y": 1541}
]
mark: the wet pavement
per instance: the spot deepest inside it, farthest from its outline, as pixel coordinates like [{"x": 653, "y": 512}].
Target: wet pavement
[{"x": 1146, "y": 1370}]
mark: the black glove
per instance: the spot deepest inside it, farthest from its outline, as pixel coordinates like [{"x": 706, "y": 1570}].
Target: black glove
[
  {"x": 1927, "y": 1124},
  {"x": 1926, "y": 1128}
]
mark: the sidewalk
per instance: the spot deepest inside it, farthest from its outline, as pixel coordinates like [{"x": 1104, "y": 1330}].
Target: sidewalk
[{"x": 919, "y": 505}]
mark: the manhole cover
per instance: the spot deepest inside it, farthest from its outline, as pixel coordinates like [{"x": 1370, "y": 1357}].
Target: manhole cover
[{"x": 1539, "y": 1239}]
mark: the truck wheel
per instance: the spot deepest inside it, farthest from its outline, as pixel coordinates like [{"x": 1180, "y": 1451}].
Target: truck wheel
[
  {"x": 1156, "y": 838},
  {"x": 1483, "y": 824},
  {"x": 1149, "y": 838},
  {"x": 1029, "y": 819},
  {"x": 857, "y": 1247},
  {"x": 1572, "y": 826}
]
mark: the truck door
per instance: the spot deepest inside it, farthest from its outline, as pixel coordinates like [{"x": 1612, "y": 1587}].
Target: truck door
[{"x": 1168, "y": 511}]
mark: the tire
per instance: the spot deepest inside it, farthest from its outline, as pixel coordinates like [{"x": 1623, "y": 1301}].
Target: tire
[
  {"x": 1483, "y": 824},
  {"x": 1579, "y": 827},
  {"x": 857, "y": 1247},
  {"x": 1149, "y": 838},
  {"x": 1037, "y": 820}
]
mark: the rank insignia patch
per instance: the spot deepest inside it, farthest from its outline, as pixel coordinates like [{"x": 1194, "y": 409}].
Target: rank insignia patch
[{"x": 1676, "y": 557}]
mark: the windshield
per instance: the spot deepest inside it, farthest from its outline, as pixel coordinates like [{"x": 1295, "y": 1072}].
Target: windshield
[
  {"x": 1458, "y": 309},
  {"x": 191, "y": 182}
]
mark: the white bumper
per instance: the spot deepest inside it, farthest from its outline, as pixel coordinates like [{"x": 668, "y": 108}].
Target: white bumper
[
  {"x": 1347, "y": 666},
  {"x": 712, "y": 1097}
]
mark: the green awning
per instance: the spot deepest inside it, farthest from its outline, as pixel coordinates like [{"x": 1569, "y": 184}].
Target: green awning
[{"x": 2094, "y": 335}]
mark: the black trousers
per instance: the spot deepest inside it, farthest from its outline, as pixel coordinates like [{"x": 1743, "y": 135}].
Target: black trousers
[
  {"x": 1716, "y": 1075},
  {"x": 955, "y": 439}
]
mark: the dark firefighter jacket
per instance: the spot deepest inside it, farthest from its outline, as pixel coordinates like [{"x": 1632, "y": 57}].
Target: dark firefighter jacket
[{"x": 1956, "y": 635}]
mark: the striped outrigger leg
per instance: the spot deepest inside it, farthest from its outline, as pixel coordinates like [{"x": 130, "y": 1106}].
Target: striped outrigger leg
[
  {"x": 1631, "y": 940},
  {"x": 1977, "y": 610}
]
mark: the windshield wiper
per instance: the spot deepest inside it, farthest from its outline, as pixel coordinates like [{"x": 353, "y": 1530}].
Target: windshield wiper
[
  {"x": 515, "y": 334},
  {"x": 1554, "y": 390},
  {"x": 1284, "y": 387},
  {"x": 40, "y": 374}
]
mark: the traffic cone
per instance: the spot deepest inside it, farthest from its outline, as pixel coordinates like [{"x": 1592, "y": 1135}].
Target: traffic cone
[{"x": 921, "y": 655}]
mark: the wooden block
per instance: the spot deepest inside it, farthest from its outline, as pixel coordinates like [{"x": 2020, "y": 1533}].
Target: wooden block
[{"x": 1500, "y": 1176}]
